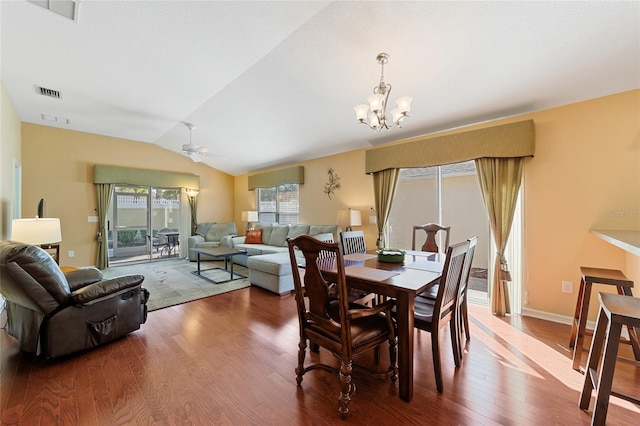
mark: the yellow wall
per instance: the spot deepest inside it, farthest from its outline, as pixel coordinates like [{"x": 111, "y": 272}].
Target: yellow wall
[
  {"x": 585, "y": 170},
  {"x": 10, "y": 156},
  {"x": 58, "y": 166},
  {"x": 587, "y": 164}
]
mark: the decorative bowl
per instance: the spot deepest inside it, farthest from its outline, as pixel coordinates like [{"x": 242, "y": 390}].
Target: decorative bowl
[{"x": 390, "y": 255}]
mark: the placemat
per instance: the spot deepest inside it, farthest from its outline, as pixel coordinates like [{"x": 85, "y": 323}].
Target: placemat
[
  {"x": 371, "y": 274},
  {"x": 426, "y": 265},
  {"x": 357, "y": 257}
]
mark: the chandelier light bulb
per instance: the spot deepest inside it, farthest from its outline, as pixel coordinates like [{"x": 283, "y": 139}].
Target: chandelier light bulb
[
  {"x": 361, "y": 112},
  {"x": 378, "y": 104}
]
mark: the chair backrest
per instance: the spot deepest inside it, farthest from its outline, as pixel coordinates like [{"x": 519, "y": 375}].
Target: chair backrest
[
  {"x": 449, "y": 283},
  {"x": 317, "y": 310},
  {"x": 327, "y": 238},
  {"x": 353, "y": 242},
  {"x": 30, "y": 277},
  {"x": 430, "y": 243},
  {"x": 466, "y": 268}
]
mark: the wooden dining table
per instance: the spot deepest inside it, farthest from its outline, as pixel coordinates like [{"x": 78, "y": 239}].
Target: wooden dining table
[{"x": 419, "y": 271}]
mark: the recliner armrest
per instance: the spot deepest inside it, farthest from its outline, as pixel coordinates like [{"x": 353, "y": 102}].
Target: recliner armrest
[
  {"x": 81, "y": 277},
  {"x": 104, "y": 288}
]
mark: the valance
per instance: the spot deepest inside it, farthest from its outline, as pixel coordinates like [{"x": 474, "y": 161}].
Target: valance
[
  {"x": 503, "y": 141},
  {"x": 144, "y": 177},
  {"x": 277, "y": 177}
]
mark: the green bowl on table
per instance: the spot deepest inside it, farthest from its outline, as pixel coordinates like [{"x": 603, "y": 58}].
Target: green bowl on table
[{"x": 390, "y": 255}]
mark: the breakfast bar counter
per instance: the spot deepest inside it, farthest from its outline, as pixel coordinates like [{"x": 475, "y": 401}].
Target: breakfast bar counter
[{"x": 626, "y": 239}]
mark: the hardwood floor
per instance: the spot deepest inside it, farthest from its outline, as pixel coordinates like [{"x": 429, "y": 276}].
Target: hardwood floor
[{"x": 230, "y": 360}]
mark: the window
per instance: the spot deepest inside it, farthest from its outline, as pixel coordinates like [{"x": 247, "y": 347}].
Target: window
[{"x": 279, "y": 204}]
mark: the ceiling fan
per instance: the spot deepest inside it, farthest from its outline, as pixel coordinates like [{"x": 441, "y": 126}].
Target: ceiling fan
[{"x": 195, "y": 152}]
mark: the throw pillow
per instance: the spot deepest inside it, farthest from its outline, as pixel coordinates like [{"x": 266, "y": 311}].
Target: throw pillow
[{"x": 254, "y": 236}]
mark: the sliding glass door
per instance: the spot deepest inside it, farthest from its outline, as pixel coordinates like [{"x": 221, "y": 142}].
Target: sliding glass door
[
  {"x": 448, "y": 195},
  {"x": 139, "y": 220}
]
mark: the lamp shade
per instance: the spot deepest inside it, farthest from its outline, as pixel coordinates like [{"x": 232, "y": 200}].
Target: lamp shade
[
  {"x": 36, "y": 231},
  {"x": 250, "y": 216},
  {"x": 355, "y": 218}
]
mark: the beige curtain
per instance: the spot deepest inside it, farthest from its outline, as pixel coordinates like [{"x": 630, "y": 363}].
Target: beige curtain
[
  {"x": 385, "y": 183},
  {"x": 193, "y": 204},
  {"x": 500, "y": 182},
  {"x": 186, "y": 222},
  {"x": 104, "y": 193}
]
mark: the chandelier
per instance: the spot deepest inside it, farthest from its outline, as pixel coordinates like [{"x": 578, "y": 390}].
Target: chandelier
[{"x": 378, "y": 104}]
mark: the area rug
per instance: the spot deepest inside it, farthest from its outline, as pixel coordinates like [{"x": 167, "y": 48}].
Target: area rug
[{"x": 171, "y": 282}]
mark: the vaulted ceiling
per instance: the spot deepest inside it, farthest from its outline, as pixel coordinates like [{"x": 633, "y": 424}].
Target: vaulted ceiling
[{"x": 273, "y": 82}]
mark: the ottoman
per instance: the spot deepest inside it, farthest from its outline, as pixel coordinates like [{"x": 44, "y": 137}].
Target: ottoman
[{"x": 271, "y": 272}]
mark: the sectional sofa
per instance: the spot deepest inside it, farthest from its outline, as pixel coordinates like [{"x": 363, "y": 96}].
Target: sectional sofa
[{"x": 267, "y": 257}]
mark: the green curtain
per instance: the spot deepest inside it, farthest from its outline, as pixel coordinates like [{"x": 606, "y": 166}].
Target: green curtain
[
  {"x": 385, "y": 183},
  {"x": 104, "y": 194},
  {"x": 500, "y": 180}
]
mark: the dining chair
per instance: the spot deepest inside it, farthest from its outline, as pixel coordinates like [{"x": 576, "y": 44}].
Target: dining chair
[
  {"x": 353, "y": 242},
  {"x": 431, "y": 317},
  {"x": 431, "y": 230},
  {"x": 344, "y": 329},
  {"x": 462, "y": 312}
]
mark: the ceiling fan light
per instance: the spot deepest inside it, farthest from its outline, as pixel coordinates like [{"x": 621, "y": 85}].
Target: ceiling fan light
[
  {"x": 361, "y": 111},
  {"x": 375, "y": 102},
  {"x": 404, "y": 104},
  {"x": 195, "y": 157}
]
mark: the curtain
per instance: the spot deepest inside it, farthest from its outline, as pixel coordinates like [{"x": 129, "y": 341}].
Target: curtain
[
  {"x": 193, "y": 204},
  {"x": 186, "y": 222},
  {"x": 385, "y": 183},
  {"x": 500, "y": 180},
  {"x": 104, "y": 194}
]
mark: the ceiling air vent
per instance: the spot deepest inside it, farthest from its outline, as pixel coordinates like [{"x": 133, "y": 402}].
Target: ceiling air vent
[{"x": 49, "y": 92}]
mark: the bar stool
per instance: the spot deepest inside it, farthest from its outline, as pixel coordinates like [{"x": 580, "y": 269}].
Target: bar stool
[
  {"x": 615, "y": 311},
  {"x": 592, "y": 276}
]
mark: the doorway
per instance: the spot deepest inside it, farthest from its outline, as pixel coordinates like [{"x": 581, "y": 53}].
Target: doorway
[{"x": 143, "y": 224}]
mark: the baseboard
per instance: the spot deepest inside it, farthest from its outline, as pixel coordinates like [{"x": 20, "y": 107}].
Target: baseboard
[{"x": 562, "y": 319}]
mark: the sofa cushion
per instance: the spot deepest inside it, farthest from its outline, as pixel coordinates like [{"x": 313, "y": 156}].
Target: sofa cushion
[
  {"x": 254, "y": 236},
  {"x": 218, "y": 230},
  {"x": 324, "y": 229},
  {"x": 275, "y": 264},
  {"x": 266, "y": 230},
  {"x": 257, "y": 249},
  {"x": 298, "y": 229},
  {"x": 278, "y": 236},
  {"x": 202, "y": 228}
]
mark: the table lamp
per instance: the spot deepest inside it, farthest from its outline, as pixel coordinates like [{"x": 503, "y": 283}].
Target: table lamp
[
  {"x": 251, "y": 217},
  {"x": 44, "y": 232}
]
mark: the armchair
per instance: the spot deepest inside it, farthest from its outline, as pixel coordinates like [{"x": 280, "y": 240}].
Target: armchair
[{"x": 52, "y": 313}]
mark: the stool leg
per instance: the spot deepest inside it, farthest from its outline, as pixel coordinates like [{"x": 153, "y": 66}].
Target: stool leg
[
  {"x": 576, "y": 316},
  {"x": 582, "y": 324},
  {"x": 606, "y": 373},
  {"x": 633, "y": 332},
  {"x": 594, "y": 359}
]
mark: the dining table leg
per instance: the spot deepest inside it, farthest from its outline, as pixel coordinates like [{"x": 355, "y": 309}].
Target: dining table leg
[{"x": 404, "y": 318}]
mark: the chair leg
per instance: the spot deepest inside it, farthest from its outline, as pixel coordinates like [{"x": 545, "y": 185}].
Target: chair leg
[
  {"x": 456, "y": 338},
  {"x": 465, "y": 318},
  {"x": 594, "y": 358},
  {"x": 393, "y": 357},
  {"x": 347, "y": 387},
  {"x": 437, "y": 368},
  {"x": 302, "y": 350}
]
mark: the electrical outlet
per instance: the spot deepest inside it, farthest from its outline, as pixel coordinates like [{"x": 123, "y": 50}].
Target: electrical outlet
[
  {"x": 567, "y": 287},
  {"x": 71, "y": 253}
]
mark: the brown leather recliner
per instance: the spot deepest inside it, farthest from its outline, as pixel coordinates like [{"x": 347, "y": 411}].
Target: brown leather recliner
[{"x": 52, "y": 313}]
